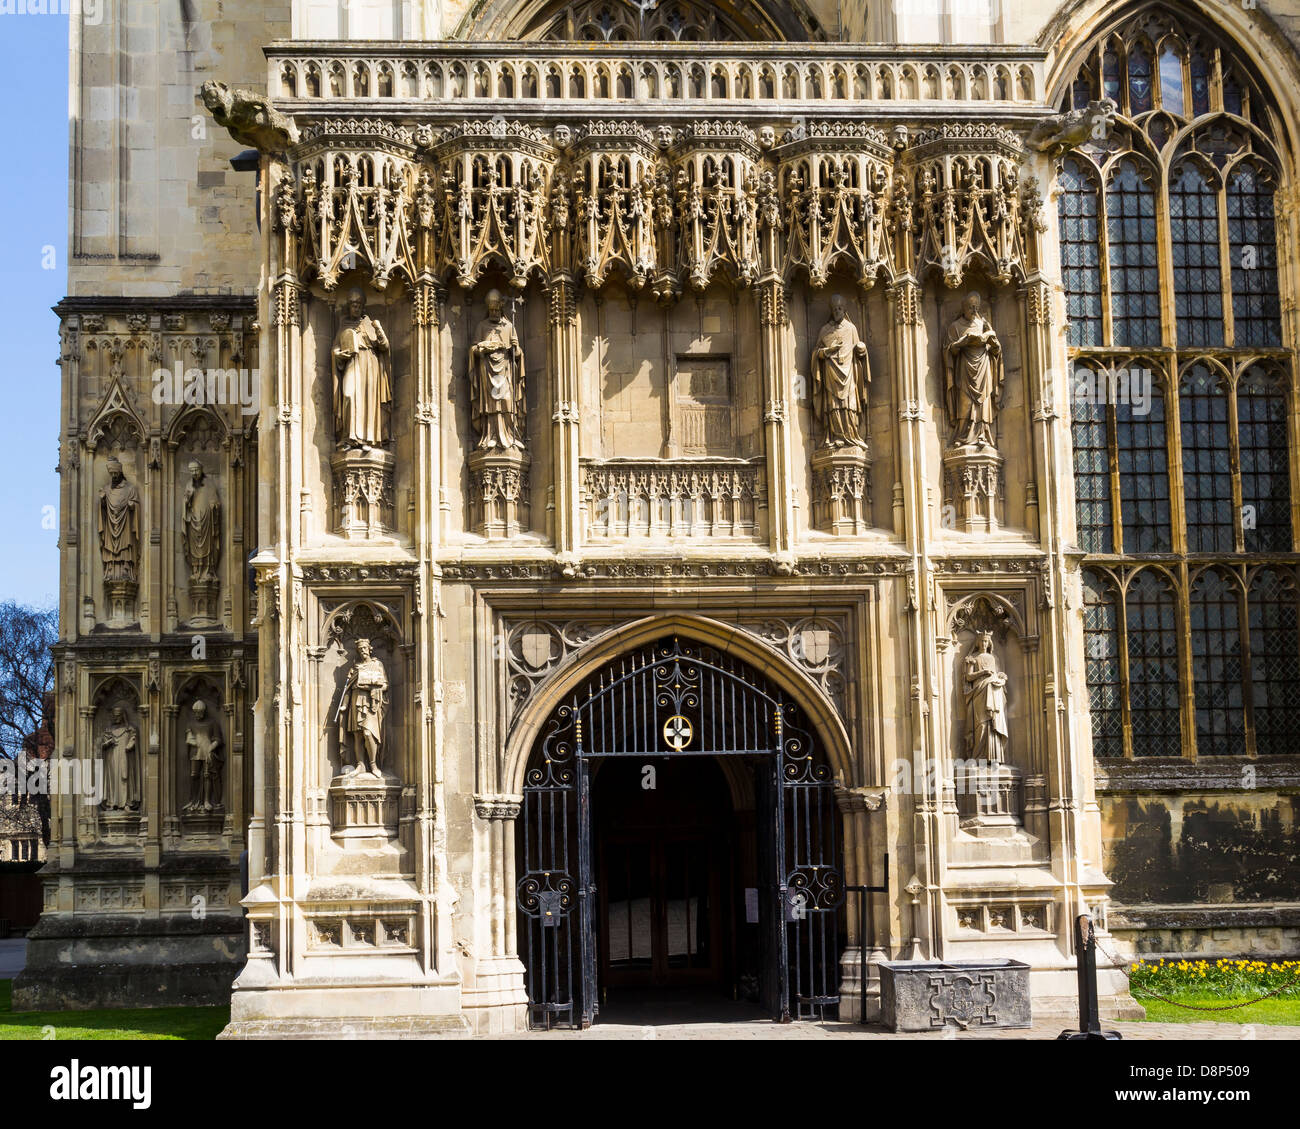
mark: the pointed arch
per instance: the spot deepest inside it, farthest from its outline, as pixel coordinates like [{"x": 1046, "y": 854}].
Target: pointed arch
[
  {"x": 761, "y": 21},
  {"x": 728, "y": 639}
]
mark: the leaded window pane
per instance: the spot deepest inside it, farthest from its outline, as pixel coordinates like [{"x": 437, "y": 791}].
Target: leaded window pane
[
  {"x": 1194, "y": 232},
  {"x": 1143, "y": 475},
  {"x": 1216, "y": 667},
  {"x": 1152, "y": 639},
  {"x": 1092, "y": 475},
  {"x": 1171, "y": 80},
  {"x": 1200, "y": 70},
  {"x": 1265, "y": 463},
  {"x": 1080, "y": 254},
  {"x": 1207, "y": 462},
  {"x": 1139, "y": 81},
  {"x": 1252, "y": 237},
  {"x": 1134, "y": 258},
  {"x": 1101, "y": 649},
  {"x": 1274, "y": 665}
]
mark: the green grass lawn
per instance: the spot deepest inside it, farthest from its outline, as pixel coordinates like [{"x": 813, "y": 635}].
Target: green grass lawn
[
  {"x": 117, "y": 1023},
  {"x": 1275, "y": 1012}
]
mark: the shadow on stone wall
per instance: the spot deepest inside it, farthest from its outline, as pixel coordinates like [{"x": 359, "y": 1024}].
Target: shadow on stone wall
[{"x": 1180, "y": 849}]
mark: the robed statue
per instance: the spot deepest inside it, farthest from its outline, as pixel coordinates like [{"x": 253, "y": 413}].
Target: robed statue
[
  {"x": 119, "y": 746},
  {"x": 841, "y": 375},
  {"x": 972, "y": 358},
  {"x": 363, "y": 389},
  {"x": 119, "y": 526},
  {"x": 497, "y": 380},
  {"x": 202, "y": 525},
  {"x": 361, "y": 712},
  {"x": 986, "y": 703},
  {"x": 204, "y": 743}
]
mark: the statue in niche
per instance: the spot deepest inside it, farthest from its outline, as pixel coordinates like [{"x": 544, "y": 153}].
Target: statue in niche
[
  {"x": 497, "y": 380},
  {"x": 360, "y": 715},
  {"x": 986, "y": 703},
  {"x": 363, "y": 390},
  {"x": 119, "y": 526},
  {"x": 973, "y": 367},
  {"x": 841, "y": 375},
  {"x": 119, "y": 746},
  {"x": 202, "y": 525},
  {"x": 205, "y": 745}
]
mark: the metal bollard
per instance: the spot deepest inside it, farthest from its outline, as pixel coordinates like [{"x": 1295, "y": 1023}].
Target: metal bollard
[{"x": 1085, "y": 955}]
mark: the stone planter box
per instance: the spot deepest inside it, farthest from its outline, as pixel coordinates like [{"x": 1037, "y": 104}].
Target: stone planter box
[{"x": 928, "y": 995}]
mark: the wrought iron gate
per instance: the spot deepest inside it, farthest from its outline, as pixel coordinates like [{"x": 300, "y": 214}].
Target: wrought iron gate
[{"x": 671, "y": 698}]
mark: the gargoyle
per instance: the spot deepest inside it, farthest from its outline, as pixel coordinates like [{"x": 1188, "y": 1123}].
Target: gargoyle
[
  {"x": 1062, "y": 132},
  {"x": 249, "y": 117}
]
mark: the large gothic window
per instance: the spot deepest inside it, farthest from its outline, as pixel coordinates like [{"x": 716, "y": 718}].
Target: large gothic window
[{"x": 1181, "y": 400}]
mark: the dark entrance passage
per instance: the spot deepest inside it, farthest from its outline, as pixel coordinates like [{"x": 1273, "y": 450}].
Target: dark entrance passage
[
  {"x": 665, "y": 834},
  {"x": 678, "y": 843}
]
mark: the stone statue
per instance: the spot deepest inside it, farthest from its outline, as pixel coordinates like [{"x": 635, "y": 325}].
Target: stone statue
[
  {"x": 119, "y": 745},
  {"x": 202, "y": 525},
  {"x": 841, "y": 375},
  {"x": 497, "y": 380},
  {"x": 204, "y": 742},
  {"x": 361, "y": 711},
  {"x": 363, "y": 392},
  {"x": 986, "y": 703},
  {"x": 973, "y": 366},
  {"x": 119, "y": 527}
]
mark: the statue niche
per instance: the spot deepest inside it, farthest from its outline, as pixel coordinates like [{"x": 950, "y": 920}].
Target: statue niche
[
  {"x": 364, "y": 792},
  {"x": 119, "y": 543},
  {"x": 117, "y": 741},
  {"x": 201, "y": 540},
  {"x": 205, "y": 752},
  {"x": 361, "y": 380},
  {"x": 974, "y": 383},
  {"x": 841, "y": 377},
  {"x": 498, "y": 465},
  {"x": 987, "y": 785}
]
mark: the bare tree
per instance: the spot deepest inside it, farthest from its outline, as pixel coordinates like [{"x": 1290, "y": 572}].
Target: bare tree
[{"x": 27, "y": 635}]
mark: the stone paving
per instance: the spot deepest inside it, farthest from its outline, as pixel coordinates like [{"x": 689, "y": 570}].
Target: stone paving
[{"x": 1044, "y": 1030}]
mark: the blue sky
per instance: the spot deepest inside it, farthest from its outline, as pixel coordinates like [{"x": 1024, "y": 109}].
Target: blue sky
[{"x": 34, "y": 191}]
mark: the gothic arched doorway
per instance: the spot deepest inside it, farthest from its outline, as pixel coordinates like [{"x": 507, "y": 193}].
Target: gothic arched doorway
[{"x": 729, "y": 875}]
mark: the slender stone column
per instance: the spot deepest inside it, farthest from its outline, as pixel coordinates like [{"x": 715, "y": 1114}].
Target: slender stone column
[
  {"x": 566, "y": 366},
  {"x": 775, "y": 352}
]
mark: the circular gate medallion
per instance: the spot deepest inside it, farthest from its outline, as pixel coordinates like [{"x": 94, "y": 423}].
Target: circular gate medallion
[{"x": 678, "y": 732}]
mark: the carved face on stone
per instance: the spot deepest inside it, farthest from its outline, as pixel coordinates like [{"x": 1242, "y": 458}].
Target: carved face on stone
[
  {"x": 838, "y": 308},
  {"x": 496, "y": 305},
  {"x": 356, "y": 304},
  {"x": 767, "y": 137},
  {"x": 970, "y": 305},
  {"x": 363, "y": 649},
  {"x": 118, "y": 715},
  {"x": 114, "y": 471},
  {"x": 196, "y": 473},
  {"x": 984, "y": 643},
  {"x": 199, "y": 709}
]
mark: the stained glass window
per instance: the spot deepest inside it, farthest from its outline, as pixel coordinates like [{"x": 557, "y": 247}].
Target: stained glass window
[
  {"x": 1139, "y": 81},
  {"x": 1194, "y": 233},
  {"x": 1134, "y": 257},
  {"x": 1265, "y": 463},
  {"x": 1080, "y": 254},
  {"x": 1207, "y": 462},
  {"x": 1216, "y": 666},
  {"x": 1101, "y": 649},
  {"x": 1275, "y": 665},
  {"x": 1143, "y": 473},
  {"x": 1152, "y": 638},
  {"x": 1252, "y": 240}
]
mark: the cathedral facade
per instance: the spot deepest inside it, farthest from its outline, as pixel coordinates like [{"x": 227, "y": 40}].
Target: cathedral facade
[{"x": 564, "y": 500}]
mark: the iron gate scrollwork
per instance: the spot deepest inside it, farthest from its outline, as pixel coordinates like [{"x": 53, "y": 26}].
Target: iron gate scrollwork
[{"x": 675, "y": 698}]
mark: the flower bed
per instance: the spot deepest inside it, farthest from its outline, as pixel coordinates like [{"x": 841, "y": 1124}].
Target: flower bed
[{"x": 1225, "y": 978}]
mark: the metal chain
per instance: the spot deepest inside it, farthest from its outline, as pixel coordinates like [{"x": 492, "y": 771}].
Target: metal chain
[{"x": 1122, "y": 965}]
